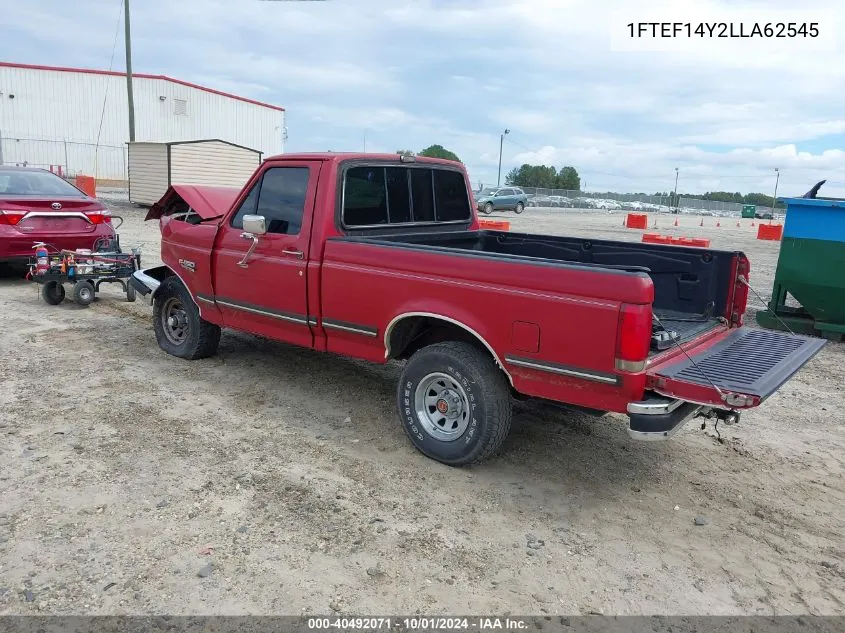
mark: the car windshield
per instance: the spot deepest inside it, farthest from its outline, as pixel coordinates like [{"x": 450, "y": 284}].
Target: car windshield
[
  {"x": 24, "y": 182},
  {"x": 488, "y": 192}
]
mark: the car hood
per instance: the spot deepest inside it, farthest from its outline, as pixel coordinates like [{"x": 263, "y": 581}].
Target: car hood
[{"x": 207, "y": 201}]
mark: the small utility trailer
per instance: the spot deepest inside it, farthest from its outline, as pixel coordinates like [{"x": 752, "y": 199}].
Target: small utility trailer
[{"x": 86, "y": 269}]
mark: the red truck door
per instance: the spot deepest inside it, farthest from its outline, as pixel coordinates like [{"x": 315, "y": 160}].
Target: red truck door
[{"x": 265, "y": 291}]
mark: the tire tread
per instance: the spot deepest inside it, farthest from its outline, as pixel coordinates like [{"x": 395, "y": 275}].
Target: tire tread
[
  {"x": 494, "y": 390},
  {"x": 207, "y": 338}
]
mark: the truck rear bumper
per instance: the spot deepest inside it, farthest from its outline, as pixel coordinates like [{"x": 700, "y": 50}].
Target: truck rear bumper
[{"x": 659, "y": 418}]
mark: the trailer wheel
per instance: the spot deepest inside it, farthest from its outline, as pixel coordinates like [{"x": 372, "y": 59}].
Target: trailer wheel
[
  {"x": 53, "y": 293},
  {"x": 83, "y": 293},
  {"x": 130, "y": 292},
  {"x": 179, "y": 328},
  {"x": 454, "y": 403}
]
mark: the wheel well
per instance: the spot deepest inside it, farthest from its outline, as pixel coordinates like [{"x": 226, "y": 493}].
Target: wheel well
[{"x": 414, "y": 332}]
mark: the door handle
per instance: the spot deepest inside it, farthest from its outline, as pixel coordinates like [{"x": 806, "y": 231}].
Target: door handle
[{"x": 293, "y": 253}]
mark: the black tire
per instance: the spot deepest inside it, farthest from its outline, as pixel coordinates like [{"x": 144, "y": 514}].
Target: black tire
[
  {"x": 519, "y": 208},
  {"x": 53, "y": 293},
  {"x": 83, "y": 293},
  {"x": 485, "y": 389},
  {"x": 487, "y": 209},
  {"x": 131, "y": 295},
  {"x": 179, "y": 329}
]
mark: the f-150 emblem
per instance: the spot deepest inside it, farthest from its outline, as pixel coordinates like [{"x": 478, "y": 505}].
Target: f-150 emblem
[{"x": 188, "y": 265}]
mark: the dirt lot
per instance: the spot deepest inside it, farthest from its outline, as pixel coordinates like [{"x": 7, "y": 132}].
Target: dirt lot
[{"x": 272, "y": 479}]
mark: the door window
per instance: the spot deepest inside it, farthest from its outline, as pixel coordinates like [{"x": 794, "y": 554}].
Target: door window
[{"x": 280, "y": 198}]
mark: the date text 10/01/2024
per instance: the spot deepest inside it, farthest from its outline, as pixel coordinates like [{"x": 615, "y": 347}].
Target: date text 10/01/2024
[
  {"x": 421, "y": 623},
  {"x": 723, "y": 29}
]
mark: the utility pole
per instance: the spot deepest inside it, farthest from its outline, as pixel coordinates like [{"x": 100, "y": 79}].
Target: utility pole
[
  {"x": 775, "y": 197},
  {"x": 501, "y": 142},
  {"x": 128, "y": 46},
  {"x": 675, "y": 196}
]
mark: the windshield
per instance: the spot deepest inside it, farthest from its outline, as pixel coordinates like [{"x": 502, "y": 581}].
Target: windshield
[
  {"x": 24, "y": 182},
  {"x": 488, "y": 191}
]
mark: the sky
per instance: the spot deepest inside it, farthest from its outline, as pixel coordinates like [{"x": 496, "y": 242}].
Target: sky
[{"x": 564, "y": 76}]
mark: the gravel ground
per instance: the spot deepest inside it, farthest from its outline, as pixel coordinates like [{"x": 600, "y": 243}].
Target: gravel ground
[{"x": 275, "y": 480}]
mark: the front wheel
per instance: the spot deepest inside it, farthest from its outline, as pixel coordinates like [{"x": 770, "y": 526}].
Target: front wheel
[
  {"x": 454, "y": 403},
  {"x": 487, "y": 209},
  {"x": 519, "y": 208},
  {"x": 179, "y": 328}
]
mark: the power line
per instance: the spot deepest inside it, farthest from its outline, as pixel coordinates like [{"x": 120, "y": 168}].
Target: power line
[{"x": 106, "y": 94}]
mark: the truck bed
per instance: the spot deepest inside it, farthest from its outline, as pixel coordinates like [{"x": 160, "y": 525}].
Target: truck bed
[{"x": 690, "y": 284}]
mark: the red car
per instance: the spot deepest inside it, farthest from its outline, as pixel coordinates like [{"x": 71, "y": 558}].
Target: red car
[{"x": 38, "y": 206}]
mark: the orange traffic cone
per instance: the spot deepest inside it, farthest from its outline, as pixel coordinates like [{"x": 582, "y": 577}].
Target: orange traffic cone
[
  {"x": 752, "y": 224},
  {"x": 676, "y": 221},
  {"x": 718, "y": 223},
  {"x": 738, "y": 225}
]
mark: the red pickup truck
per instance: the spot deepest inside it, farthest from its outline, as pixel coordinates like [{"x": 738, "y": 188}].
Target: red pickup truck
[{"x": 381, "y": 257}]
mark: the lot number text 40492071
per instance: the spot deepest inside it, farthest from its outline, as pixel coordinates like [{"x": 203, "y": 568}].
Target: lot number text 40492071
[{"x": 723, "y": 29}]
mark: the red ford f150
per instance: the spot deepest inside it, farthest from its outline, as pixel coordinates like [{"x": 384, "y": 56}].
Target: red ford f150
[{"x": 380, "y": 257}]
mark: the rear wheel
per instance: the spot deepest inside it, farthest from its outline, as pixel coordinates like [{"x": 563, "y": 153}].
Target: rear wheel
[
  {"x": 179, "y": 328},
  {"x": 519, "y": 207},
  {"x": 83, "y": 293},
  {"x": 454, "y": 403},
  {"x": 53, "y": 293}
]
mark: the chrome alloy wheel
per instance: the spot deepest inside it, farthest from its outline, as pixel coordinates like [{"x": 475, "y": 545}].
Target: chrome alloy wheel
[{"x": 442, "y": 407}]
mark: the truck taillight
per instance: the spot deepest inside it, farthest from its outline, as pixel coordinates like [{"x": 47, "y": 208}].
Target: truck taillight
[
  {"x": 634, "y": 337},
  {"x": 99, "y": 217},
  {"x": 11, "y": 217}
]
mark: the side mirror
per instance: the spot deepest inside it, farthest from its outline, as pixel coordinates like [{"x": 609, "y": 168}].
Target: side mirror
[{"x": 255, "y": 224}]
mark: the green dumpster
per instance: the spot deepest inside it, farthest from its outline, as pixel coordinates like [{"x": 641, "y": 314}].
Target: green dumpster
[
  {"x": 810, "y": 269},
  {"x": 749, "y": 211}
]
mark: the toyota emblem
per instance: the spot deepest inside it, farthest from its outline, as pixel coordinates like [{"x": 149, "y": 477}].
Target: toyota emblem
[{"x": 56, "y": 205}]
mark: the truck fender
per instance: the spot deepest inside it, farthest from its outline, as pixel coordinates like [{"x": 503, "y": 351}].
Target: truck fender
[
  {"x": 388, "y": 352},
  {"x": 148, "y": 281}
]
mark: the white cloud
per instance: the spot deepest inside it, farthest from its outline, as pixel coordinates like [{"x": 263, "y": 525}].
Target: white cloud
[{"x": 457, "y": 72}]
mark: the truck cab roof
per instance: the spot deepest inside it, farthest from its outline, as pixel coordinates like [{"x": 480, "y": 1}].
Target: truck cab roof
[{"x": 361, "y": 156}]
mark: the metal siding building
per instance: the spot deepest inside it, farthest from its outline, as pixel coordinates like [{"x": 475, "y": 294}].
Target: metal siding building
[{"x": 51, "y": 116}]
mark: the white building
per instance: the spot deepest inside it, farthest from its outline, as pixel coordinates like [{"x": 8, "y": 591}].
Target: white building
[{"x": 78, "y": 119}]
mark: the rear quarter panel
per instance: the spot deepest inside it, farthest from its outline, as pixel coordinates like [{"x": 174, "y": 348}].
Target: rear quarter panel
[{"x": 574, "y": 309}]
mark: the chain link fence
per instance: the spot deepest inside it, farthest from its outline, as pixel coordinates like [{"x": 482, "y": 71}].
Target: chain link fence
[
  {"x": 106, "y": 163},
  {"x": 572, "y": 199}
]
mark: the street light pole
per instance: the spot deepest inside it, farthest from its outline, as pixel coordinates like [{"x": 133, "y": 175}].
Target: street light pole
[
  {"x": 775, "y": 197},
  {"x": 675, "y": 196},
  {"x": 128, "y": 46},
  {"x": 501, "y": 142}
]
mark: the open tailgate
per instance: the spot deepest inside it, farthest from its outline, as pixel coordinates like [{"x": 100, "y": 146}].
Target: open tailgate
[{"x": 747, "y": 365}]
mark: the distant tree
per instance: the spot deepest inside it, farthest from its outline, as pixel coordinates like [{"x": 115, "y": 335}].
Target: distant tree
[
  {"x": 568, "y": 178},
  {"x": 544, "y": 176},
  {"x": 438, "y": 151}
]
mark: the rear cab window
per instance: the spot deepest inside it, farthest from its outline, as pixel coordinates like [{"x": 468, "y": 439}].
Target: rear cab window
[{"x": 403, "y": 195}]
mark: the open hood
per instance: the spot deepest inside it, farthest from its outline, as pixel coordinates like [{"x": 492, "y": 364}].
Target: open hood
[{"x": 207, "y": 201}]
